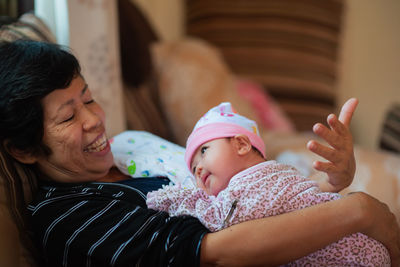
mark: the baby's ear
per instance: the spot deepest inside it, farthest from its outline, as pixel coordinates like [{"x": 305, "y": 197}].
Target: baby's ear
[{"x": 242, "y": 144}]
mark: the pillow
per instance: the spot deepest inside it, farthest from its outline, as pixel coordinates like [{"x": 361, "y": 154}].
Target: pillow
[
  {"x": 269, "y": 114},
  {"x": 17, "y": 185},
  {"x": 142, "y": 111},
  {"x": 192, "y": 78},
  {"x": 289, "y": 47},
  {"x": 390, "y": 135},
  {"x": 142, "y": 154},
  {"x": 28, "y": 26}
]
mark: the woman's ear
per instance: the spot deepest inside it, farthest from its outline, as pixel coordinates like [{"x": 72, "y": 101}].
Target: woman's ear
[
  {"x": 20, "y": 155},
  {"x": 242, "y": 144}
]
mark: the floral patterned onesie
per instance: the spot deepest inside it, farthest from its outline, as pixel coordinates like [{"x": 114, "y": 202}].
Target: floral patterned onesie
[{"x": 268, "y": 189}]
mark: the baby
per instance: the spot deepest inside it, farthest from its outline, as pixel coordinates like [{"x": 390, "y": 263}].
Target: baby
[{"x": 235, "y": 183}]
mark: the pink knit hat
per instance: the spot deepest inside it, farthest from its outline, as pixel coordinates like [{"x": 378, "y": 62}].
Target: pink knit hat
[{"x": 219, "y": 122}]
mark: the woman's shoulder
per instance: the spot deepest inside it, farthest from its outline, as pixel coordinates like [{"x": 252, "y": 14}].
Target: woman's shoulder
[{"x": 52, "y": 194}]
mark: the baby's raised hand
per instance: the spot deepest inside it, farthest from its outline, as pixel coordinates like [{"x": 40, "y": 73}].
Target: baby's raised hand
[{"x": 341, "y": 164}]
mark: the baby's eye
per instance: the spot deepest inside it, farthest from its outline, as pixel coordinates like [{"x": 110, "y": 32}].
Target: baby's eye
[
  {"x": 203, "y": 149},
  {"x": 194, "y": 170}
]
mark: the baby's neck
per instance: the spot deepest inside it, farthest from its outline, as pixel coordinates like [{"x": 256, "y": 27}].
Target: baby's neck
[{"x": 252, "y": 159}]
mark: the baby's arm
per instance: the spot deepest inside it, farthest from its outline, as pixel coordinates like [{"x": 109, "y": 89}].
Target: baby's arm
[
  {"x": 189, "y": 201},
  {"x": 340, "y": 154}
]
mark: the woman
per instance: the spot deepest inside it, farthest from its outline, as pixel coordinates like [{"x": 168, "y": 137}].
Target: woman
[{"x": 86, "y": 213}]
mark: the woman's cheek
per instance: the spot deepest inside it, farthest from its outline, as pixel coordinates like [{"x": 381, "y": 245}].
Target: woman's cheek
[{"x": 100, "y": 112}]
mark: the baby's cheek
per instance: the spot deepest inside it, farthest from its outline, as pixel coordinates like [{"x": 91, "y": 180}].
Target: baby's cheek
[{"x": 199, "y": 184}]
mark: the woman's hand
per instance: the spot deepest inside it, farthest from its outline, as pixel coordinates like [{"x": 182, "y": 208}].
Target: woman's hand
[
  {"x": 341, "y": 164},
  {"x": 380, "y": 224}
]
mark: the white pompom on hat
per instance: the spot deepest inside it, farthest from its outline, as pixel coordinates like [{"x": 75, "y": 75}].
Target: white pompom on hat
[{"x": 220, "y": 122}]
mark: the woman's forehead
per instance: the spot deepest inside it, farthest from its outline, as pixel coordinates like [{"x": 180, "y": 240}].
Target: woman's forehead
[{"x": 59, "y": 98}]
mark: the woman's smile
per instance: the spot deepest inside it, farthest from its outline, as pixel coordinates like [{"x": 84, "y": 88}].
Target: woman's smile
[{"x": 100, "y": 144}]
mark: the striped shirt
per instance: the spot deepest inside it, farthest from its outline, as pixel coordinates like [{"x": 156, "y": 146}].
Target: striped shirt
[{"x": 108, "y": 224}]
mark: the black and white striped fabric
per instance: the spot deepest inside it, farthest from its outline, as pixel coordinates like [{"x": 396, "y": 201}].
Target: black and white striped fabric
[
  {"x": 390, "y": 138},
  {"x": 108, "y": 224}
]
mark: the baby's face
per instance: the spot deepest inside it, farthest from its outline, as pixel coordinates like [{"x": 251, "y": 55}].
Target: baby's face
[{"x": 214, "y": 164}]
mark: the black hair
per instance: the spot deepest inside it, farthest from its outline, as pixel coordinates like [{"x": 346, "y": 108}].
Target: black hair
[{"x": 30, "y": 70}]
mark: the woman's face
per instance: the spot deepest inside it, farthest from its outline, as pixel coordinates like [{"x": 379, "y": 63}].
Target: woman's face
[{"x": 74, "y": 131}]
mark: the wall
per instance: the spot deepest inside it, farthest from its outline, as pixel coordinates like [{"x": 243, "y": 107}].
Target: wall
[
  {"x": 369, "y": 59},
  {"x": 370, "y": 64}
]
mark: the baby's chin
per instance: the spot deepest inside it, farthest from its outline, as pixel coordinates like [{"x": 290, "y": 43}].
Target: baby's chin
[{"x": 213, "y": 191}]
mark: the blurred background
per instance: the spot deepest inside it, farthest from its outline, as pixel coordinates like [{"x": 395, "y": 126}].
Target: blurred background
[
  {"x": 352, "y": 48},
  {"x": 158, "y": 65},
  {"x": 368, "y": 56}
]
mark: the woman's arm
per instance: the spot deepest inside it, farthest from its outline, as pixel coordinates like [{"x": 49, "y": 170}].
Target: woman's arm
[{"x": 284, "y": 238}]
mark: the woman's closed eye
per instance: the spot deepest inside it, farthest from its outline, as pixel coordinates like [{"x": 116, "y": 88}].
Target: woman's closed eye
[{"x": 70, "y": 118}]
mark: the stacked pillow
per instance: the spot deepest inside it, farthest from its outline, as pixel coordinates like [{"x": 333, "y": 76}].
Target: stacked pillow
[{"x": 289, "y": 47}]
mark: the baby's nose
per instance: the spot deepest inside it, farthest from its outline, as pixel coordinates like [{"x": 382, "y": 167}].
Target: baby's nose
[{"x": 199, "y": 170}]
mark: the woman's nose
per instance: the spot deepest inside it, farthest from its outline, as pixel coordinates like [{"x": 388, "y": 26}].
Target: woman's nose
[{"x": 91, "y": 119}]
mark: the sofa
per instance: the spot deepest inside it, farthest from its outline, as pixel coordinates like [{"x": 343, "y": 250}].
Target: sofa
[{"x": 167, "y": 87}]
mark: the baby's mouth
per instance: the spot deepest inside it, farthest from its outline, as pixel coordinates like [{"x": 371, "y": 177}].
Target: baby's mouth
[
  {"x": 98, "y": 145},
  {"x": 205, "y": 177}
]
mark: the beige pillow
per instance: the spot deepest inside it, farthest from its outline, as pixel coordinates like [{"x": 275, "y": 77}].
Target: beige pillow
[
  {"x": 193, "y": 77},
  {"x": 29, "y": 27},
  {"x": 9, "y": 245},
  {"x": 17, "y": 184}
]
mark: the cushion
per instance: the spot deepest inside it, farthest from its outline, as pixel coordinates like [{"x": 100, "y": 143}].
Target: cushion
[
  {"x": 28, "y": 26},
  {"x": 9, "y": 245},
  {"x": 269, "y": 113},
  {"x": 192, "y": 78},
  {"x": 390, "y": 136},
  {"x": 141, "y": 102},
  {"x": 290, "y": 47},
  {"x": 142, "y": 111},
  {"x": 136, "y": 34},
  {"x": 17, "y": 185},
  {"x": 141, "y": 154}
]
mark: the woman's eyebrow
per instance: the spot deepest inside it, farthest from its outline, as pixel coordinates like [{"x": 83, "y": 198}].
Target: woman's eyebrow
[{"x": 84, "y": 89}]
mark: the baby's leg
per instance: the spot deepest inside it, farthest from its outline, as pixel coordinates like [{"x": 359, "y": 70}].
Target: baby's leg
[{"x": 353, "y": 250}]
